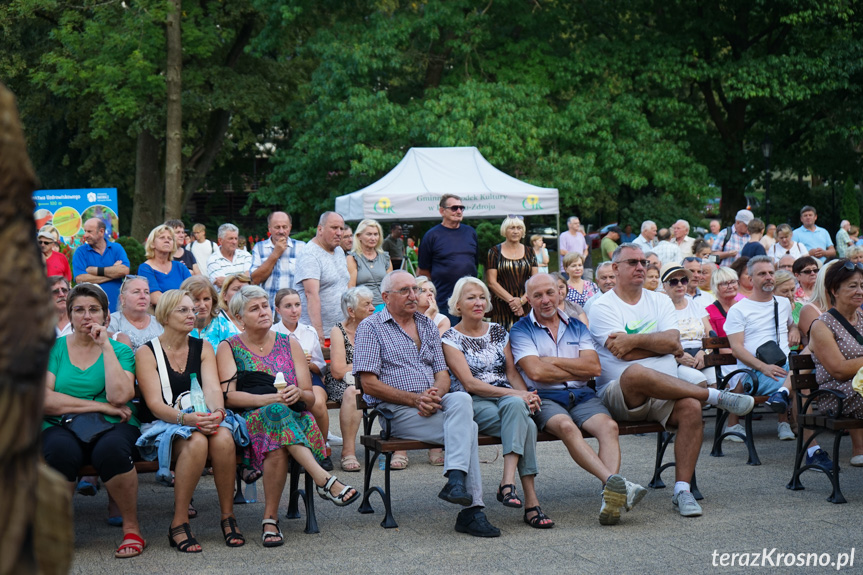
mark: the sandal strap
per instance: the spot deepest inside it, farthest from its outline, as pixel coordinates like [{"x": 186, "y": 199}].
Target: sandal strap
[
  {"x": 269, "y": 521},
  {"x": 186, "y": 529}
]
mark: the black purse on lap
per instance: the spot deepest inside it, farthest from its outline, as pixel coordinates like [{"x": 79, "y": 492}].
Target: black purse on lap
[{"x": 87, "y": 427}]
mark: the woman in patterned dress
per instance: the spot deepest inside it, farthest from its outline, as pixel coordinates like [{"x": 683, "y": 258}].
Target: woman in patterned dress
[
  {"x": 479, "y": 356},
  {"x": 278, "y": 421},
  {"x": 837, "y": 352},
  {"x": 356, "y": 306},
  {"x": 510, "y": 264},
  {"x": 580, "y": 290}
]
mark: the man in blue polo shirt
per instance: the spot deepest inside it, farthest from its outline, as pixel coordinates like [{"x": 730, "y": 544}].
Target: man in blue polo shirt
[
  {"x": 817, "y": 240},
  {"x": 99, "y": 261},
  {"x": 556, "y": 356}
]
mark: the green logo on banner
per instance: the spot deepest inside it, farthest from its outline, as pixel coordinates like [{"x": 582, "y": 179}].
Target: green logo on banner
[
  {"x": 531, "y": 203},
  {"x": 384, "y": 206}
]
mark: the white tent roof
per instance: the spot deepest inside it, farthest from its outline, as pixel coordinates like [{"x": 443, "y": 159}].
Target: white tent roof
[{"x": 412, "y": 189}]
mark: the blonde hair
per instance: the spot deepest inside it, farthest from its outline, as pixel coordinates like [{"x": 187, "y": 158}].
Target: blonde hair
[
  {"x": 423, "y": 281},
  {"x": 155, "y": 233},
  {"x": 169, "y": 300},
  {"x": 452, "y": 302},
  {"x": 570, "y": 259},
  {"x": 196, "y": 286},
  {"x": 229, "y": 281},
  {"x": 361, "y": 227},
  {"x": 511, "y": 221}
]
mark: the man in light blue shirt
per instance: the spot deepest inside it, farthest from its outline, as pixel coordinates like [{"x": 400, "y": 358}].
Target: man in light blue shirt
[
  {"x": 817, "y": 240},
  {"x": 274, "y": 261}
]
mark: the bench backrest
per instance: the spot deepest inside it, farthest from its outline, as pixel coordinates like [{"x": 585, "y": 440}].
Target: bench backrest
[
  {"x": 802, "y": 372},
  {"x": 715, "y": 356}
]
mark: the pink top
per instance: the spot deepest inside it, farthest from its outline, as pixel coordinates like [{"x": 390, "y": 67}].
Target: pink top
[{"x": 717, "y": 319}]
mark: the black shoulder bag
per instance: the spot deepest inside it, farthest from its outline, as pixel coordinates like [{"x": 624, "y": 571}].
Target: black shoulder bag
[
  {"x": 87, "y": 427},
  {"x": 769, "y": 352}
]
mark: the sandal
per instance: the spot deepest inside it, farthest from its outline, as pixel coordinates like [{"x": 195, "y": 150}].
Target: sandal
[
  {"x": 341, "y": 499},
  {"x": 233, "y": 538},
  {"x": 511, "y": 498},
  {"x": 436, "y": 457},
  {"x": 251, "y": 475},
  {"x": 350, "y": 463},
  {"x": 130, "y": 541},
  {"x": 537, "y": 520},
  {"x": 270, "y": 538},
  {"x": 192, "y": 511},
  {"x": 399, "y": 462},
  {"x": 189, "y": 541}
]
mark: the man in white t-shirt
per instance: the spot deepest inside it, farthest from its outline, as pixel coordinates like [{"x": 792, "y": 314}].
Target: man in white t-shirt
[
  {"x": 754, "y": 321},
  {"x": 636, "y": 337}
]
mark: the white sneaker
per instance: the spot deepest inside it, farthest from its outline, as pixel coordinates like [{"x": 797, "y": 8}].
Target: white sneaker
[
  {"x": 739, "y": 429},
  {"x": 784, "y": 431},
  {"x": 333, "y": 439},
  {"x": 613, "y": 498},
  {"x": 634, "y": 494},
  {"x": 686, "y": 504}
]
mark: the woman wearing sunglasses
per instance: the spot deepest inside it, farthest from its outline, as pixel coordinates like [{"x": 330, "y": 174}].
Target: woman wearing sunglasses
[
  {"x": 691, "y": 323},
  {"x": 805, "y": 269}
]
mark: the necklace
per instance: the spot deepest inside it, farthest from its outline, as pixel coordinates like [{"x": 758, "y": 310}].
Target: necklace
[
  {"x": 371, "y": 261},
  {"x": 253, "y": 344}
]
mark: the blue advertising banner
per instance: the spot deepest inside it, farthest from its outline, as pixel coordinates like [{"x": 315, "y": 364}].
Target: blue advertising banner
[{"x": 67, "y": 210}]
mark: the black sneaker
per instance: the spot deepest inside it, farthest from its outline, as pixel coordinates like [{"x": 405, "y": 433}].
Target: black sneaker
[
  {"x": 778, "y": 402},
  {"x": 474, "y": 522},
  {"x": 327, "y": 463}
]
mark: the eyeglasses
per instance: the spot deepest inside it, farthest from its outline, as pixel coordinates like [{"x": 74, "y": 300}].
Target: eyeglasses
[
  {"x": 809, "y": 271},
  {"x": 673, "y": 282},
  {"x": 849, "y": 265},
  {"x": 634, "y": 262},
  {"x": 184, "y": 311},
  {"x": 406, "y": 290},
  {"x": 515, "y": 217},
  {"x": 131, "y": 277},
  {"x": 45, "y": 242},
  {"x": 59, "y": 290},
  {"x": 726, "y": 285},
  {"x": 691, "y": 259},
  {"x": 92, "y": 310},
  {"x": 455, "y": 208}
]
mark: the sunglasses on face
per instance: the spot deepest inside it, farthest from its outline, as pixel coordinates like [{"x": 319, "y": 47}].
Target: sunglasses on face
[
  {"x": 455, "y": 208},
  {"x": 673, "y": 282},
  {"x": 810, "y": 271},
  {"x": 634, "y": 262}
]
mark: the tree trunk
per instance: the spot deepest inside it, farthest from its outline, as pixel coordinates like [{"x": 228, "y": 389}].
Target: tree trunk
[
  {"x": 147, "y": 206},
  {"x": 174, "y": 128},
  {"x": 36, "y": 530}
]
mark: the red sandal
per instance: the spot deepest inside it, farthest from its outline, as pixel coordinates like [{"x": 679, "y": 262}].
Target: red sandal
[{"x": 130, "y": 541}]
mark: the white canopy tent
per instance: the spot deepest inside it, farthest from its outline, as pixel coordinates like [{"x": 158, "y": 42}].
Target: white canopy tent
[{"x": 412, "y": 190}]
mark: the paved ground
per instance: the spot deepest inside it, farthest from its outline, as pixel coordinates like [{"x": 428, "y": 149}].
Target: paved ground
[{"x": 746, "y": 509}]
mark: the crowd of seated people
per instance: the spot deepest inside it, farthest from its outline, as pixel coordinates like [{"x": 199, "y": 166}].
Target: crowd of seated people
[{"x": 228, "y": 373}]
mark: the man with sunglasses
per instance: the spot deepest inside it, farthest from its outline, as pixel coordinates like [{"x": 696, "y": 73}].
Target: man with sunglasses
[
  {"x": 635, "y": 334},
  {"x": 56, "y": 263},
  {"x": 448, "y": 251},
  {"x": 399, "y": 361}
]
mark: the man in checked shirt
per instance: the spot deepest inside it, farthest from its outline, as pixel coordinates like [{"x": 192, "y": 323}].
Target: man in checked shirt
[{"x": 400, "y": 364}]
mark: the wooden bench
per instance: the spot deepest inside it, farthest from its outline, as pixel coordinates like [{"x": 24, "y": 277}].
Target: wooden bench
[
  {"x": 384, "y": 443},
  {"x": 807, "y": 390},
  {"x": 716, "y": 359}
]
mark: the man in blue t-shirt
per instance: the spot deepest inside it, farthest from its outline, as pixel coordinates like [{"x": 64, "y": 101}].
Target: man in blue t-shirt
[
  {"x": 817, "y": 240},
  {"x": 99, "y": 261},
  {"x": 448, "y": 251}
]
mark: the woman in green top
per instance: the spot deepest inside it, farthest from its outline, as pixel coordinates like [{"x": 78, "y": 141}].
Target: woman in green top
[{"x": 88, "y": 372}]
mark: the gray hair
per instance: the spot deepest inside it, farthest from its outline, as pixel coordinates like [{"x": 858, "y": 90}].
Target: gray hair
[
  {"x": 646, "y": 224},
  {"x": 322, "y": 221},
  {"x": 719, "y": 276},
  {"x": 615, "y": 257},
  {"x": 387, "y": 282},
  {"x": 242, "y": 298},
  {"x": 603, "y": 265},
  {"x": 570, "y": 218},
  {"x": 684, "y": 223},
  {"x": 351, "y": 298},
  {"x": 750, "y": 265},
  {"x": 452, "y": 302},
  {"x": 225, "y": 228}
]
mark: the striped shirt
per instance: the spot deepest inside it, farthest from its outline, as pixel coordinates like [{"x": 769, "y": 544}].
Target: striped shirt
[
  {"x": 282, "y": 275},
  {"x": 218, "y": 266},
  {"x": 383, "y": 348}
]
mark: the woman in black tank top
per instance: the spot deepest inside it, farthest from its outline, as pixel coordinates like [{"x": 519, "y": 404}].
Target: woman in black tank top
[{"x": 185, "y": 357}]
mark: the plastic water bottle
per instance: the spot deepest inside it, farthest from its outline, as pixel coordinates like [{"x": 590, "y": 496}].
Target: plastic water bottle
[
  {"x": 251, "y": 492},
  {"x": 197, "y": 396},
  {"x": 382, "y": 462}
]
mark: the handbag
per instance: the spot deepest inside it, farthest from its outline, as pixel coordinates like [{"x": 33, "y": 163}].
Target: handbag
[
  {"x": 87, "y": 427},
  {"x": 770, "y": 352}
]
